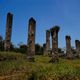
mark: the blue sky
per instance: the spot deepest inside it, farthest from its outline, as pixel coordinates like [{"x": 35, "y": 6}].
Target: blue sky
[{"x": 47, "y": 13}]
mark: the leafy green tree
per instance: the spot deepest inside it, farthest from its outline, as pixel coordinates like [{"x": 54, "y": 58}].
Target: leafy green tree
[
  {"x": 23, "y": 48},
  {"x": 38, "y": 49}
]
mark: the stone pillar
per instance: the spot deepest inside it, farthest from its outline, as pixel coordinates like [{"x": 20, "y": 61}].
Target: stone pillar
[
  {"x": 31, "y": 38},
  {"x": 79, "y": 50},
  {"x": 54, "y": 35},
  {"x": 44, "y": 48},
  {"x": 68, "y": 47},
  {"x": 47, "y": 42},
  {"x": 7, "y": 43},
  {"x": 77, "y": 43}
]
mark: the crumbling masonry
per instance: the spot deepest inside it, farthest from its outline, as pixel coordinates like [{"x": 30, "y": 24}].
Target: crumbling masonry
[
  {"x": 44, "y": 48},
  {"x": 7, "y": 43},
  {"x": 54, "y": 35},
  {"x": 69, "y": 54},
  {"x": 77, "y": 43},
  {"x": 31, "y": 38},
  {"x": 47, "y": 42}
]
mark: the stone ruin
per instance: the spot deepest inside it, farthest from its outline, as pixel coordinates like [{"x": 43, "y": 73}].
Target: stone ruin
[
  {"x": 77, "y": 43},
  {"x": 7, "y": 43},
  {"x": 31, "y": 39},
  {"x": 54, "y": 35},
  {"x": 69, "y": 53},
  {"x": 44, "y": 48},
  {"x": 47, "y": 42},
  {"x": 53, "y": 32}
]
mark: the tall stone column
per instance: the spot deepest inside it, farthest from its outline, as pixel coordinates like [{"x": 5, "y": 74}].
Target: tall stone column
[
  {"x": 79, "y": 50},
  {"x": 47, "y": 42},
  {"x": 31, "y": 38},
  {"x": 77, "y": 43},
  {"x": 68, "y": 47},
  {"x": 7, "y": 43},
  {"x": 44, "y": 48},
  {"x": 54, "y": 35}
]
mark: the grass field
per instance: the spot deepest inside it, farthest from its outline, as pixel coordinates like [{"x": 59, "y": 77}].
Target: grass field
[{"x": 16, "y": 67}]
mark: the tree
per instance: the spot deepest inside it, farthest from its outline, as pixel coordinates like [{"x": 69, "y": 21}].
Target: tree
[
  {"x": 38, "y": 49},
  {"x": 23, "y": 48},
  {"x": 1, "y": 44}
]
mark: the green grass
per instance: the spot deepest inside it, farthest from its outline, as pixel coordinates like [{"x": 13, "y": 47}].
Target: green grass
[{"x": 41, "y": 69}]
